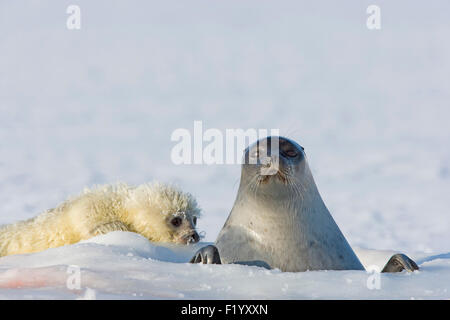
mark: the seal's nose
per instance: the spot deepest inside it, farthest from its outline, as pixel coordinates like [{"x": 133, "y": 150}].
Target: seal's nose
[
  {"x": 270, "y": 165},
  {"x": 194, "y": 238}
]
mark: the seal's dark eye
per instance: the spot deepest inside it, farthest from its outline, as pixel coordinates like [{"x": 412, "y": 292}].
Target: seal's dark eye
[
  {"x": 176, "y": 222},
  {"x": 194, "y": 221},
  {"x": 291, "y": 153}
]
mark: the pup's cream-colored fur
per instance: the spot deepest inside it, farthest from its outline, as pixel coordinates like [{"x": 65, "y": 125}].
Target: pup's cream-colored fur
[{"x": 146, "y": 209}]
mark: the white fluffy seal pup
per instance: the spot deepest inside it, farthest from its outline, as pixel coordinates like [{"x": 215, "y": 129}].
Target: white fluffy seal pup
[
  {"x": 279, "y": 219},
  {"x": 159, "y": 212}
]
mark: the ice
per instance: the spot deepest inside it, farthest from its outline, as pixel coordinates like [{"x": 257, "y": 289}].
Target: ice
[{"x": 109, "y": 271}]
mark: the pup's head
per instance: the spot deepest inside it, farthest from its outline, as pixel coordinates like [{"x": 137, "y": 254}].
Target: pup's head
[{"x": 163, "y": 213}]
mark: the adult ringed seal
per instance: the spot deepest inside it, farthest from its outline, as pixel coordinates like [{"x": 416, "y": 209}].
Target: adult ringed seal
[{"x": 279, "y": 219}]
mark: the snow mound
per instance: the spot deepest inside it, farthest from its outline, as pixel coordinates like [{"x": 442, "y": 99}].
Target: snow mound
[{"x": 124, "y": 265}]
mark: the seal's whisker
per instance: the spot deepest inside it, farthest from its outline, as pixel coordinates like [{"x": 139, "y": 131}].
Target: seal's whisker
[
  {"x": 253, "y": 184},
  {"x": 291, "y": 181},
  {"x": 295, "y": 187}
]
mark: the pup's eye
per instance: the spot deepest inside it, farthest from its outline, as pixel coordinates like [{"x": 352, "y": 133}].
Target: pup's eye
[
  {"x": 194, "y": 221},
  {"x": 176, "y": 222},
  {"x": 291, "y": 153}
]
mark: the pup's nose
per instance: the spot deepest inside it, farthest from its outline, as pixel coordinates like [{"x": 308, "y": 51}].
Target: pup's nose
[{"x": 194, "y": 238}]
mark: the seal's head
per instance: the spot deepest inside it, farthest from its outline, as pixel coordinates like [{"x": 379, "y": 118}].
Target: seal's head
[
  {"x": 273, "y": 162},
  {"x": 182, "y": 226},
  {"x": 163, "y": 213}
]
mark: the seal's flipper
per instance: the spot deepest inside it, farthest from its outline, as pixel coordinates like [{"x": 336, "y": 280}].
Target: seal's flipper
[
  {"x": 399, "y": 262},
  {"x": 207, "y": 255}
]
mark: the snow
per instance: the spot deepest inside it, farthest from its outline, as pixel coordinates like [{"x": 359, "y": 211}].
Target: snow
[
  {"x": 98, "y": 105},
  {"x": 124, "y": 265}
]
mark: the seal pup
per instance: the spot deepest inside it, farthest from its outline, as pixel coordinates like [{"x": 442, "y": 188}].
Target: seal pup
[
  {"x": 159, "y": 212},
  {"x": 279, "y": 219}
]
